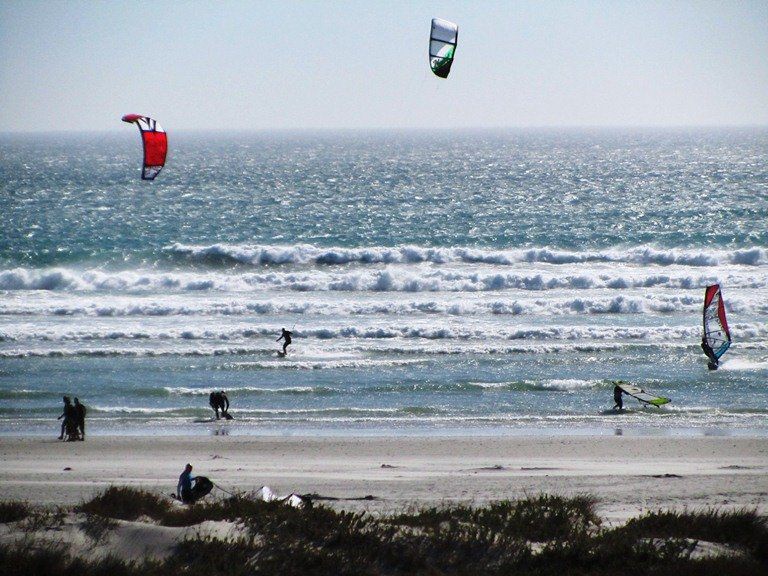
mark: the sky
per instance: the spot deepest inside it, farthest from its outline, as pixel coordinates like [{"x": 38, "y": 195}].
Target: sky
[{"x": 251, "y": 65}]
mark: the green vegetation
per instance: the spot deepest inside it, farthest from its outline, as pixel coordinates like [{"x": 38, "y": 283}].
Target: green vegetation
[
  {"x": 13, "y": 511},
  {"x": 125, "y": 503},
  {"x": 542, "y": 535}
]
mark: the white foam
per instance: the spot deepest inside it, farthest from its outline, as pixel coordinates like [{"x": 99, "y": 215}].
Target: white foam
[
  {"x": 568, "y": 384},
  {"x": 739, "y": 364},
  {"x": 262, "y": 255}
]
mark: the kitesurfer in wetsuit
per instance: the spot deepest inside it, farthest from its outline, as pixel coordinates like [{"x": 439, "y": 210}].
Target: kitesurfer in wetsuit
[
  {"x": 184, "y": 488},
  {"x": 617, "y": 392},
  {"x": 287, "y": 335},
  {"x": 713, "y": 361}
]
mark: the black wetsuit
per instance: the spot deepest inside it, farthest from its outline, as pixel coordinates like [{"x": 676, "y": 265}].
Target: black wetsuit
[
  {"x": 218, "y": 401},
  {"x": 617, "y": 392},
  {"x": 69, "y": 425},
  {"x": 213, "y": 401},
  {"x": 287, "y": 335},
  {"x": 713, "y": 361},
  {"x": 80, "y": 410}
]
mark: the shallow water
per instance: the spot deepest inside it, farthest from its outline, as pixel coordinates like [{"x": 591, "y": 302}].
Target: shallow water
[{"x": 436, "y": 283}]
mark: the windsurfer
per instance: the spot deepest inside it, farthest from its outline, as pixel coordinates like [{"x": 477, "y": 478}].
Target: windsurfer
[
  {"x": 713, "y": 361},
  {"x": 617, "y": 392}
]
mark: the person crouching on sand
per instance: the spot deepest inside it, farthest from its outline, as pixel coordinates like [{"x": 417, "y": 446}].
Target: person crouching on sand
[{"x": 184, "y": 488}]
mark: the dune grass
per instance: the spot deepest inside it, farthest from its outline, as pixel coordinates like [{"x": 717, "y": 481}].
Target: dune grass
[
  {"x": 13, "y": 511},
  {"x": 125, "y": 503},
  {"x": 539, "y": 536},
  {"x": 741, "y": 528}
]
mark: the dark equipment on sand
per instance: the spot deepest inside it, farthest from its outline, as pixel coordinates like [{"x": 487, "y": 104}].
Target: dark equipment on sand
[{"x": 201, "y": 487}]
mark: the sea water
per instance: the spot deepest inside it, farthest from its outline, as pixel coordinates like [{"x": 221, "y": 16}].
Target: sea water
[{"x": 465, "y": 283}]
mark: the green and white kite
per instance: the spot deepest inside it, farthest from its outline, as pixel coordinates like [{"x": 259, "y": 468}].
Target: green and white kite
[{"x": 442, "y": 46}]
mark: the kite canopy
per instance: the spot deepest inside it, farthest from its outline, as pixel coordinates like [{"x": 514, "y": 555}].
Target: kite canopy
[
  {"x": 155, "y": 142},
  {"x": 716, "y": 336},
  {"x": 442, "y": 46}
]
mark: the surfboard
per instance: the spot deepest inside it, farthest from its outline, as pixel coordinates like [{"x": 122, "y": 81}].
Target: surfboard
[{"x": 280, "y": 354}]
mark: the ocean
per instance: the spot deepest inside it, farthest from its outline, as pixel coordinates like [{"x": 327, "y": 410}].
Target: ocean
[{"x": 436, "y": 282}]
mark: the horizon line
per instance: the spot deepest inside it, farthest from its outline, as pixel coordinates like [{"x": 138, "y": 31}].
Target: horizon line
[{"x": 521, "y": 128}]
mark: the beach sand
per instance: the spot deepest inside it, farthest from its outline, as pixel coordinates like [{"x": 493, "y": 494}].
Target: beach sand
[{"x": 628, "y": 475}]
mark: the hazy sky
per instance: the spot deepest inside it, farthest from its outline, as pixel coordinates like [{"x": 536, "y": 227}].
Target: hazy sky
[{"x": 284, "y": 64}]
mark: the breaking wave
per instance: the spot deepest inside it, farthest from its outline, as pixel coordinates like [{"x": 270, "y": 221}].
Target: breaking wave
[
  {"x": 266, "y": 255},
  {"x": 393, "y": 279}
]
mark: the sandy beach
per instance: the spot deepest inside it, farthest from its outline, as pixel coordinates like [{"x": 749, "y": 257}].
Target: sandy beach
[{"x": 628, "y": 475}]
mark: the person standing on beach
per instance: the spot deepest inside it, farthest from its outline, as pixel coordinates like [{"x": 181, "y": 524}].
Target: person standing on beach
[
  {"x": 184, "y": 487},
  {"x": 287, "y": 335},
  {"x": 80, "y": 418},
  {"x": 70, "y": 417}
]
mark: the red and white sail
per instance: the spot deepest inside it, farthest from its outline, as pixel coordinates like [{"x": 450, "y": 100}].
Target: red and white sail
[
  {"x": 155, "y": 142},
  {"x": 716, "y": 334}
]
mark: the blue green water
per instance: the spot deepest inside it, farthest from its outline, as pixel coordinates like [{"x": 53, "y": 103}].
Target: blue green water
[{"x": 436, "y": 282}]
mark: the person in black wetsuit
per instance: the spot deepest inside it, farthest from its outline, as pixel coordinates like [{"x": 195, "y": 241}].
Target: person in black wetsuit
[
  {"x": 713, "y": 361},
  {"x": 224, "y": 404},
  {"x": 617, "y": 392},
  {"x": 69, "y": 425},
  {"x": 80, "y": 411},
  {"x": 215, "y": 402},
  {"x": 287, "y": 335}
]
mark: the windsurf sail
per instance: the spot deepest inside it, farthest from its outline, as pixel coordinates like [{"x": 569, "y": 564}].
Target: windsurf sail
[
  {"x": 716, "y": 338},
  {"x": 155, "y": 142},
  {"x": 442, "y": 46},
  {"x": 642, "y": 395}
]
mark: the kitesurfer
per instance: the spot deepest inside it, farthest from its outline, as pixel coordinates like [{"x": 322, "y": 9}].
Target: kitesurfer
[
  {"x": 713, "y": 361},
  {"x": 287, "y": 335},
  {"x": 184, "y": 488},
  {"x": 617, "y": 392},
  {"x": 80, "y": 413}
]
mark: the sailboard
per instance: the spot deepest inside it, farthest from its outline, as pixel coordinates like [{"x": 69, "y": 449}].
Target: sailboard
[
  {"x": 716, "y": 338},
  {"x": 155, "y": 141},
  {"x": 642, "y": 395},
  {"x": 443, "y": 39}
]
